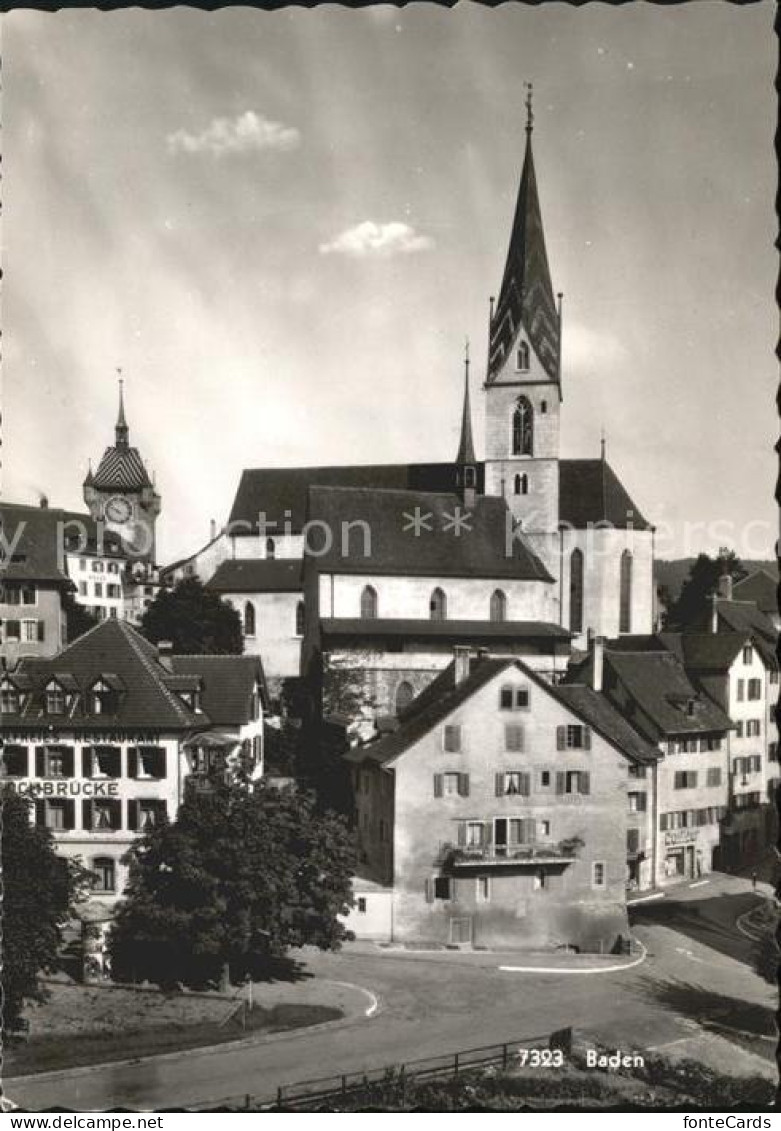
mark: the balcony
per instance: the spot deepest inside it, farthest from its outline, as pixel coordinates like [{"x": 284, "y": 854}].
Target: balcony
[{"x": 510, "y": 856}]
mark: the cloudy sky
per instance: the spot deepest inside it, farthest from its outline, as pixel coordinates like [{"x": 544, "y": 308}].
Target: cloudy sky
[{"x": 282, "y": 226}]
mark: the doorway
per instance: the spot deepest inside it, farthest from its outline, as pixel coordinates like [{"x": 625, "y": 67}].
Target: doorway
[{"x": 461, "y": 930}]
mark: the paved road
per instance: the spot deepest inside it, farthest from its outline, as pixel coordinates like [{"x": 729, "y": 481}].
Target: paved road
[{"x": 429, "y": 1004}]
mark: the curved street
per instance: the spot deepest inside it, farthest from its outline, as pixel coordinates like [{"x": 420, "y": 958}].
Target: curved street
[{"x": 432, "y": 1003}]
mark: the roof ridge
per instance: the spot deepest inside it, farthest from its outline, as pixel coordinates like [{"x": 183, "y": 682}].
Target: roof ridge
[{"x": 146, "y": 661}]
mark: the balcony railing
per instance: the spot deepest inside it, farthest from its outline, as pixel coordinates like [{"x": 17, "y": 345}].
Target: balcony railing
[{"x": 565, "y": 852}]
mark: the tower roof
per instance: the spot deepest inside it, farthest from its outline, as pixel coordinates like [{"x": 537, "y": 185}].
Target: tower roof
[
  {"x": 526, "y": 299},
  {"x": 466, "y": 447},
  {"x": 121, "y": 467}
]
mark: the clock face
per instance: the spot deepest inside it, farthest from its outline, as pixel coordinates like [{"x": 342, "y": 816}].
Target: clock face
[{"x": 118, "y": 509}]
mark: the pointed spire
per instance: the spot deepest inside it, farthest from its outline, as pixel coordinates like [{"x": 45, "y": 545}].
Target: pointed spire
[
  {"x": 122, "y": 430},
  {"x": 603, "y": 445},
  {"x": 466, "y": 448},
  {"x": 526, "y": 300}
]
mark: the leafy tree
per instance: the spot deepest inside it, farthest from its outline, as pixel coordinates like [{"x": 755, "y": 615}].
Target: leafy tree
[
  {"x": 78, "y": 619},
  {"x": 194, "y": 619},
  {"x": 692, "y": 607},
  {"x": 239, "y": 878},
  {"x": 39, "y": 890}
]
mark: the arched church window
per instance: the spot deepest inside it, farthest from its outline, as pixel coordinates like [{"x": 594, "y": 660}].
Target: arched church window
[
  {"x": 625, "y": 594},
  {"x": 249, "y": 619},
  {"x": 369, "y": 603},
  {"x": 523, "y": 428},
  {"x": 438, "y": 605},
  {"x": 498, "y": 606},
  {"x": 300, "y": 618},
  {"x": 576, "y": 591},
  {"x": 271, "y": 549},
  {"x": 522, "y": 357},
  {"x": 404, "y": 696}
]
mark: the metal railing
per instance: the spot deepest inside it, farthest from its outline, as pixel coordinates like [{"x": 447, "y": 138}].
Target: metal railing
[{"x": 355, "y": 1086}]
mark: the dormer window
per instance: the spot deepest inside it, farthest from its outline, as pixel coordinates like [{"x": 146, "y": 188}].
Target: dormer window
[
  {"x": 271, "y": 549},
  {"x": 102, "y": 699},
  {"x": 691, "y": 706},
  {"x": 9, "y": 699},
  {"x": 56, "y": 700},
  {"x": 522, "y": 357},
  {"x": 191, "y": 700}
]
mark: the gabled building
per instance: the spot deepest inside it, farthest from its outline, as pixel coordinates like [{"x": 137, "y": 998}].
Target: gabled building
[
  {"x": 33, "y": 580},
  {"x": 107, "y": 735},
  {"x": 761, "y": 590},
  {"x": 496, "y": 813}
]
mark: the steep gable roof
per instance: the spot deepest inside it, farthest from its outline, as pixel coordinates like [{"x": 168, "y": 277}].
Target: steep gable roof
[
  {"x": 760, "y": 588},
  {"x": 41, "y": 536},
  {"x": 591, "y": 492},
  {"x": 257, "y": 575},
  {"x": 228, "y": 685},
  {"x": 385, "y": 541}
]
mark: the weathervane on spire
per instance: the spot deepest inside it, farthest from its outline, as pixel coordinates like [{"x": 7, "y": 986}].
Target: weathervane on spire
[
  {"x": 466, "y": 356},
  {"x": 603, "y": 443},
  {"x": 529, "y": 109}
]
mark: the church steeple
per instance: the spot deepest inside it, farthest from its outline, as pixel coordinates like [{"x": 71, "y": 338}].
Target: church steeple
[
  {"x": 466, "y": 447},
  {"x": 466, "y": 470},
  {"x": 526, "y": 308},
  {"x": 122, "y": 431}
]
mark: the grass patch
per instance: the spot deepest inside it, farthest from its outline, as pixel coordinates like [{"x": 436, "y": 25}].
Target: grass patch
[{"x": 50, "y": 1052}]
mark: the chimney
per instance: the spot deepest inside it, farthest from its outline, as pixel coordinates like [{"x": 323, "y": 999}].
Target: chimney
[
  {"x": 212, "y": 529},
  {"x": 725, "y": 587},
  {"x": 599, "y": 661},
  {"x": 461, "y": 660},
  {"x": 165, "y": 650},
  {"x": 43, "y": 502},
  {"x": 714, "y": 612}
]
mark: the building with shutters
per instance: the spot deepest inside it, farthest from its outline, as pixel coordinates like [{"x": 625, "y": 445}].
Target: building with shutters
[
  {"x": 496, "y": 813},
  {"x": 107, "y": 736},
  {"x": 576, "y": 552}
]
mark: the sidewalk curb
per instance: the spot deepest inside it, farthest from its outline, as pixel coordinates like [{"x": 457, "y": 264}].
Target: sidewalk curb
[
  {"x": 577, "y": 970},
  {"x": 178, "y": 1054}
]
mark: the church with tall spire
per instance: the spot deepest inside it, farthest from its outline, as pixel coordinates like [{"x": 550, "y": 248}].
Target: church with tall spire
[
  {"x": 120, "y": 493},
  {"x": 522, "y": 550}
]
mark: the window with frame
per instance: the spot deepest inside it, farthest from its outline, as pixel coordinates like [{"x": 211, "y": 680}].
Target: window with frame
[
  {"x": 444, "y": 887},
  {"x": 598, "y": 874},
  {"x": 82, "y": 589},
  {"x": 12, "y": 629},
  {"x": 638, "y": 802},
  {"x": 474, "y": 834},
  {"x": 113, "y": 567},
  {"x": 361, "y": 904},
  {"x": 573, "y": 737},
  {"x": 369, "y": 603},
  {"x": 452, "y": 738},
  {"x": 103, "y": 699},
  {"x": 438, "y": 605},
  {"x": 498, "y": 606},
  {"x": 513, "y": 783},
  {"x": 16, "y": 761},
  {"x": 97, "y": 567},
  {"x": 451, "y": 784},
  {"x": 57, "y": 814},
  {"x": 753, "y": 728},
  {"x": 522, "y": 357},
  {"x": 104, "y": 869},
  {"x": 573, "y": 781},
  {"x": 9, "y": 699},
  {"x": 98, "y": 588},
  {"x": 106, "y": 815},
  {"x": 147, "y": 762},
  {"x": 150, "y": 814},
  {"x": 271, "y": 549},
  {"x": 713, "y": 776},
  {"x": 106, "y": 762},
  {"x": 513, "y": 737},
  {"x": 483, "y": 889},
  {"x": 57, "y": 762},
  {"x": 546, "y": 779},
  {"x": 741, "y": 690},
  {"x": 113, "y": 591},
  {"x": 29, "y": 631},
  {"x": 754, "y": 689},
  {"x": 748, "y": 654},
  {"x": 685, "y": 779},
  {"x": 544, "y": 827},
  {"x": 55, "y": 699}
]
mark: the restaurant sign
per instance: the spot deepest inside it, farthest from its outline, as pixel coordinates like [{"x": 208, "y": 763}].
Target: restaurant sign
[
  {"x": 680, "y": 836},
  {"x": 71, "y": 788}
]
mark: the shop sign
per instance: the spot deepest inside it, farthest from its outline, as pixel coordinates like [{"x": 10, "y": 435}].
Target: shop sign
[
  {"x": 680, "y": 836},
  {"x": 70, "y": 788}
]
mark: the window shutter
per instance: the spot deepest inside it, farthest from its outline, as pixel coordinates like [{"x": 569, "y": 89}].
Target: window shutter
[
  {"x": 438, "y": 785},
  {"x": 132, "y": 815},
  {"x": 132, "y": 762},
  {"x": 86, "y": 762},
  {"x": 160, "y": 759},
  {"x": 40, "y": 813},
  {"x": 463, "y": 785},
  {"x": 586, "y": 738},
  {"x": 40, "y": 762},
  {"x": 642, "y": 802},
  {"x": 531, "y": 830},
  {"x": 86, "y": 814},
  {"x": 116, "y": 814},
  {"x": 70, "y": 814},
  {"x": 68, "y": 760},
  {"x": 561, "y": 738},
  {"x": 488, "y": 832},
  {"x": 525, "y": 785},
  {"x": 632, "y": 840},
  {"x": 499, "y": 784},
  {"x": 429, "y": 891},
  {"x": 461, "y": 834},
  {"x": 41, "y": 631},
  {"x": 584, "y": 781},
  {"x": 559, "y": 781}
]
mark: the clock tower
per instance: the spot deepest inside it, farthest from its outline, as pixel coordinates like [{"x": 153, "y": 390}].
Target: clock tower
[{"x": 121, "y": 495}]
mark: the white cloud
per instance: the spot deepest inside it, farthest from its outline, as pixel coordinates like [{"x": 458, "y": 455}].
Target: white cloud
[
  {"x": 249, "y": 131},
  {"x": 380, "y": 240}
]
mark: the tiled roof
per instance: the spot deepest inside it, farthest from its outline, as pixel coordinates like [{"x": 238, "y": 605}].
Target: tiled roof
[
  {"x": 526, "y": 296},
  {"x": 745, "y": 617},
  {"x": 589, "y": 491},
  {"x": 228, "y": 683},
  {"x": 760, "y": 588},
  {"x": 659, "y": 685},
  {"x": 443, "y": 696},
  {"x": 257, "y": 575},
  {"x": 121, "y": 469},
  {"x": 46, "y": 535},
  {"x": 113, "y": 646},
  {"x": 706, "y": 651},
  {"x": 391, "y": 546},
  {"x": 457, "y": 629}
]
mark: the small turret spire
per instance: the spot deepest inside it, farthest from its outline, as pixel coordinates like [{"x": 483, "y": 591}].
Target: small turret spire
[
  {"x": 122, "y": 430},
  {"x": 466, "y": 448},
  {"x": 603, "y": 444},
  {"x": 529, "y": 108}
]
